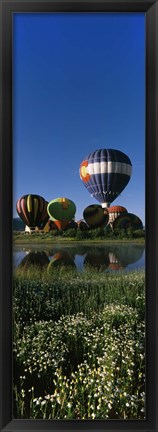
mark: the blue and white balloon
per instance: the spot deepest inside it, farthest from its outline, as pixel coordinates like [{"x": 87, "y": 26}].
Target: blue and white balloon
[{"x": 105, "y": 173}]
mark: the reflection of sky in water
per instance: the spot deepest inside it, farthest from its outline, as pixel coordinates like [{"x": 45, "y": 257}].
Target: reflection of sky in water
[
  {"x": 129, "y": 257},
  {"x": 79, "y": 260},
  {"x": 17, "y": 258}
]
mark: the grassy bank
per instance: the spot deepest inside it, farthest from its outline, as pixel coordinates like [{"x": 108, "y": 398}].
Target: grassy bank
[
  {"x": 41, "y": 239},
  {"x": 78, "y": 344}
]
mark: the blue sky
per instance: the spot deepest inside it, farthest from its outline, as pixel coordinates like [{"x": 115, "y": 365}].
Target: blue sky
[{"x": 78, "y": 86}]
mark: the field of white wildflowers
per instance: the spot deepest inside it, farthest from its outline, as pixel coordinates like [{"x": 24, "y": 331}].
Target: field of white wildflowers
[{"x": 79, "y": 345}]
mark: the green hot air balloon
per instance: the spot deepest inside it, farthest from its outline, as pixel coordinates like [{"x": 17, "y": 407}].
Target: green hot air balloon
[
  {"x": 129, "y": 220},
  {"x": 61, "y": 211}
]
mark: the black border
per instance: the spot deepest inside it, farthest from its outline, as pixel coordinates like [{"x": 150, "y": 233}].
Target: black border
[{"x": 150, "y": 8}]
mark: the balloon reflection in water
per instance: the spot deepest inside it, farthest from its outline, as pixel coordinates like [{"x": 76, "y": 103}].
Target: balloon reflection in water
[
  {"x": 97, "y": 259},
  {"x": 129, "y": 254},
  {"x": 114, "y": 263},
  {"x": 34, "y": 259},
  {"x": 95, "y": 216},
  {"x": 61, "y": 259},
  {"x": 114, "y": 257}
]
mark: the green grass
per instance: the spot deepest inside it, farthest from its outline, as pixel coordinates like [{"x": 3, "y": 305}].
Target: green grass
[
  {"x": 79, "y": 344},
  {"x": 88, "y": 237}
]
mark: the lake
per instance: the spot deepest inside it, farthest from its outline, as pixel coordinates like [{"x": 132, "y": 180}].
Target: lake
[{"x": 106, "y": 257}]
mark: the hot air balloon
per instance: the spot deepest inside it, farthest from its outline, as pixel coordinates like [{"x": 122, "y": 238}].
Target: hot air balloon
[
  {"x": 105, "y": 173},
  {"x": 126, "y": 221},
  {"x": 45, "y": 218},
  {"x": 61, "y": 211},
  {"x": 32, "y": 209},
  {"x": 114, "y": 212},
  {"x": 95, "y": 216}
]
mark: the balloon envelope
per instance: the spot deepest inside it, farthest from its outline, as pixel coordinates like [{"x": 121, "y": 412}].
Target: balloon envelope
[
  {"x": 32, "y": 209},
  {"x": 126, "y": 221},
  {"x": 105, "y": 173},
  {"x": 95, "y": 216},
  {"x": 61, "y": 225},
  {"x": 61, "y": 209},
  {"x": 45, "y": 217},
  {"x": 115, "y": 211}
]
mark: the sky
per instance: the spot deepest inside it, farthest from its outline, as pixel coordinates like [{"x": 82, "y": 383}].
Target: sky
[{"x": 78, "y": 86}]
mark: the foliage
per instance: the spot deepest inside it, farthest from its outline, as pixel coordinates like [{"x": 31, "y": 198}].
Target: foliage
[
  {"x": 71, "y": 233},
  {"x": 78, "y": 235}
]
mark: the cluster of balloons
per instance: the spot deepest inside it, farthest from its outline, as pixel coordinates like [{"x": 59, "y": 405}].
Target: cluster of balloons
[
  {"x": 116, "y": 216},
  {"x": 105, "y": 173},
  {"x": 35, "y": 212}
]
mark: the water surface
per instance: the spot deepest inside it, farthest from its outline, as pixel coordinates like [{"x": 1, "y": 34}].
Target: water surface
[{"x": 110, "y": 257}]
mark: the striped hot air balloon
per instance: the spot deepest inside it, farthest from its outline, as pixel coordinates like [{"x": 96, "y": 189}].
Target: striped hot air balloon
[
  {"x": 105, "y": 173},
  {"x": 32, "y": 209}
]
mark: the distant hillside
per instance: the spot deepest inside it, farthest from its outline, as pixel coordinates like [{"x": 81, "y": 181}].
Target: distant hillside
[{"x": 18, "y": 224}]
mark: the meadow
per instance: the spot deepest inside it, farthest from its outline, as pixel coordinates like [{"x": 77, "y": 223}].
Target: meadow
[
  {"x": 79, "y": 344},
  {"x": 73, "y": 235}
]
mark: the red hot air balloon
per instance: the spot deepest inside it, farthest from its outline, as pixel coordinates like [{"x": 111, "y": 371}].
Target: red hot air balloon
[
  {"x": 114, "y": 212},
  {"x": 32, "y": 209}
]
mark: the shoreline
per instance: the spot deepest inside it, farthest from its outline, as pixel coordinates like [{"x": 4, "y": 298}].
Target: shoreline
[{"x": 40, "y": 242}]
